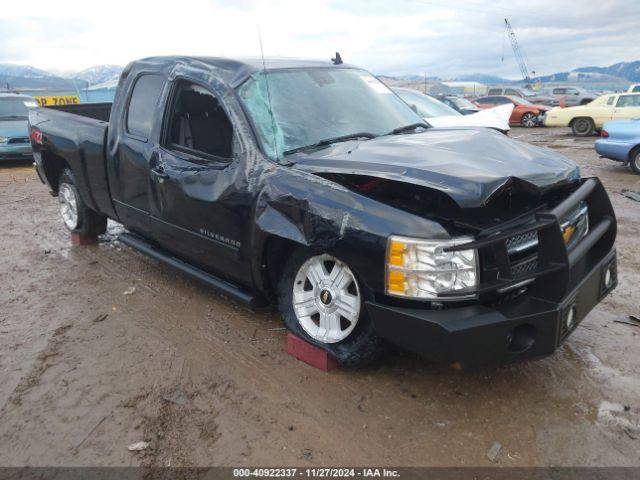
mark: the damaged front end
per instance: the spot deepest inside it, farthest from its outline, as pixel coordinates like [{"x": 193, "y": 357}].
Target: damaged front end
[{"x": 539, "y": 275}]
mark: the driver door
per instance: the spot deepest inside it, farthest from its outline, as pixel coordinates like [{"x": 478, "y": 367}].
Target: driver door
[{"x": 199, "y": 209}]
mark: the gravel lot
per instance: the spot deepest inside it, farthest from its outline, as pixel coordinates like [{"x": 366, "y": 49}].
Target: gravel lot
[{"x": 206, "y": 382}]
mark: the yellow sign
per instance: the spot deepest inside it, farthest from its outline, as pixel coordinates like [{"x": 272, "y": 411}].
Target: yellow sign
[{"x": 57, "y": 100}]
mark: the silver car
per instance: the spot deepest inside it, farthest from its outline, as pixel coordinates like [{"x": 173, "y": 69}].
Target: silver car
[{"x": 573, "y": 95}]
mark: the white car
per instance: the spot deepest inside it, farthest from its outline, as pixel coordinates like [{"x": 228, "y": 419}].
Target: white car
[{"x": 437, "y": 114}]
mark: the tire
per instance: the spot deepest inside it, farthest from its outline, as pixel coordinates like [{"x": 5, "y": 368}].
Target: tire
[
  {"x": 77, "y": 217},
  {"x": 583, "y": 127},
  {"x": 529, "y": 120},
  {"x": 352, "y": 343},
  {"x": 634, "y": 160}
]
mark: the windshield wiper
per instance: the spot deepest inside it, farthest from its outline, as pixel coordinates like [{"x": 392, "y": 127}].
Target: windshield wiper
[
  {"x": 329, "y": 141},
  {"x": 407, "y": 128}
]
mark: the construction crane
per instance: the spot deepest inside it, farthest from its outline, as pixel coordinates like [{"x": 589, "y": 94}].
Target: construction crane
[{"x": 524, "y": 70}]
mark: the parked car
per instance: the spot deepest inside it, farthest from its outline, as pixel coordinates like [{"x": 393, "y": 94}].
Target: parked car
[
  {"x": 620, "y": 141},
  {"x": 635, "y": 88},
  {"x": 459, "y": 104},
  {"x": 573, "y": 96},
  {"x": 584, "y": 120},
  {"x": 14, "y": 128},
  {"x": 538, "y": 98},
  {"x": 312, "y": 186},
  {"x": 437, "y": 114},
  {"x": 524, "y": 112}
]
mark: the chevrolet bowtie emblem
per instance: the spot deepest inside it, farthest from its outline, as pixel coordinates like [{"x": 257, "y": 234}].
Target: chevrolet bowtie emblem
[{"x": 567, "y": 233}]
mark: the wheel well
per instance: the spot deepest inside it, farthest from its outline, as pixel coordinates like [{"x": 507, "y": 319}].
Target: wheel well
[
  {"x": 633, "y": 151},
  {"x": 573, "y": 120},
  {"x": 53, "y": 166},
  {"x": 275, "y": 254}
]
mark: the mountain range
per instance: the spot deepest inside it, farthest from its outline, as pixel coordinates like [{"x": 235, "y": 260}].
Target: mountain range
[
  {"x": 28, "y": 77},
  {"x": 623, "y": 71}
]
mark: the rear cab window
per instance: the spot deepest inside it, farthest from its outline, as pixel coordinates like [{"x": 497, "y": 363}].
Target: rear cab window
[{"x": 144, "y": 98}]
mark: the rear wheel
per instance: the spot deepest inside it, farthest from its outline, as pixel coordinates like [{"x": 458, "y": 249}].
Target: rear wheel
[
  {"x": 529, "y": 120},
  {"x": 634, "y": 160},
  {"x": 77, "y": 217},
  {"x": 583, "y": 127},
  {"x": 321, "y": 301}
]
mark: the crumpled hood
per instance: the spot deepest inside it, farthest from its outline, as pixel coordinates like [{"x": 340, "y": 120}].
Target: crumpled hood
[
  {"x": 469, "y": 165},
  {"x": 14, "y": 128}
]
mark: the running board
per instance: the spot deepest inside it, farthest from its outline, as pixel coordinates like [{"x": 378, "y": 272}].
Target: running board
[{"x": 220, "y": 285}]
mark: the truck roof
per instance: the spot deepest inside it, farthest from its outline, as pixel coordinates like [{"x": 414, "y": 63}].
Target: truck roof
[{"x": 236, "y": 70}]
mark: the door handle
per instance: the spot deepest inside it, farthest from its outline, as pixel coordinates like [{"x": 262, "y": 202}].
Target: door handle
[{"x": 159, "y": 172}]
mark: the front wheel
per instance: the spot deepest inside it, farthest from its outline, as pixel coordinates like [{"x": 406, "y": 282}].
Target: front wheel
[
  {"x": 529, "y": 120},
  {"x": 77, "y": 217},
  {"x": 321, "y": 300},
  {"x": 583, "y": 127}
]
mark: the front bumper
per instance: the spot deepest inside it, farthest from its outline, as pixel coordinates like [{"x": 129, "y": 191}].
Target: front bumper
[
  {"x": 531, "y": 323},
  {"x": 15, "y": 152},
  {"x": 479, "y": 335}
]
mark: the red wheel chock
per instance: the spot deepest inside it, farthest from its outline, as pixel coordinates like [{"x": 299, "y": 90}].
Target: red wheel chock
[
  {"x": 77, "y": 239},
  {"x": 310, "y": 354}
]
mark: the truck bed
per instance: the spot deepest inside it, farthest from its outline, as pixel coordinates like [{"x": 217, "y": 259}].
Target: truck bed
[
  {"x": 76, "y": 134},
  {"x": 97, "y": 111}
]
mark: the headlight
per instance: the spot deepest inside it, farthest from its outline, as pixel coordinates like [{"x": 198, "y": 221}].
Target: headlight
[
  {"x": 421, "y": 269},
  {"x": 3, "y": 139}
]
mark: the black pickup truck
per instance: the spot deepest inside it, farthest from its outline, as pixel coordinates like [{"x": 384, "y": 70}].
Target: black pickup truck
[{"x": 312, "y": 186}]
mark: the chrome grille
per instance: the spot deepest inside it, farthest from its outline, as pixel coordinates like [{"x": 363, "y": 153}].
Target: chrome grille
[
  {"x": 525, "y": 266},
  {"x": 522, "y": 248},
  {"x": 18, "y": 140},
  {"x": 522, "y": 242}
]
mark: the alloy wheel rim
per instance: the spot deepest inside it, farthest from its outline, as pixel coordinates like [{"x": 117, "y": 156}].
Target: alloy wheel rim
[
  {"x": 637, "y": 161},
  {"x": 528, "y": 120},
  {"x": 68, "y": 206},
  {"x": 326, "y": 299}
]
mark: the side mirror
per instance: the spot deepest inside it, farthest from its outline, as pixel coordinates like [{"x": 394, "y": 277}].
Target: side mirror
[{"x": 414, "y": 108}]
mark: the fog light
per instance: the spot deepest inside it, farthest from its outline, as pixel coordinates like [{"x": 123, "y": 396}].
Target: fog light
[
  {"x": 608, "y": 278},
  {"x": 570, "y": 320}
]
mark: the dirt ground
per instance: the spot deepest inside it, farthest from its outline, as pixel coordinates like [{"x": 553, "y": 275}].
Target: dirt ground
[{"x": 206, "y": 382}]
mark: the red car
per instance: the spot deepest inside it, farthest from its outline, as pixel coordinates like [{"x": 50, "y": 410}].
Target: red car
[{"x": 524, "y": 113}]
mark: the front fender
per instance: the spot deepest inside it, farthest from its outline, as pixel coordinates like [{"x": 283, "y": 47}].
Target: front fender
[{"x": 321, "y": 215}]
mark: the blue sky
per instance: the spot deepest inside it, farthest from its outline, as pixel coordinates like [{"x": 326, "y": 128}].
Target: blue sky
[{"x": 438, "y": 37}]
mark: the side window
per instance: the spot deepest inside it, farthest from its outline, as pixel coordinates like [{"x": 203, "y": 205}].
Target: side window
[
  {"x": 197, "y": 123},
  {"x": 628, "y": 101},
  {"x": 636, "y": 89},
  {"x": 559, "y": 91},
  {"x": 494, "y": 91},
  {"x": 511, "y": 91},
  {"x": 144, "y": 98},
  {"x": 610, "y": 100},
  {"x": 500, "y": 101}
]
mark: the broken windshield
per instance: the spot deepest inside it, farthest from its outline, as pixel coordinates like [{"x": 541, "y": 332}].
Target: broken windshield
[{"x": 315, "y": 104}]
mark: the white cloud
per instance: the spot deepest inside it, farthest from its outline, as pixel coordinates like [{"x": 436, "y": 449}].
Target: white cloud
[{"x": 411, "y": 36}]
